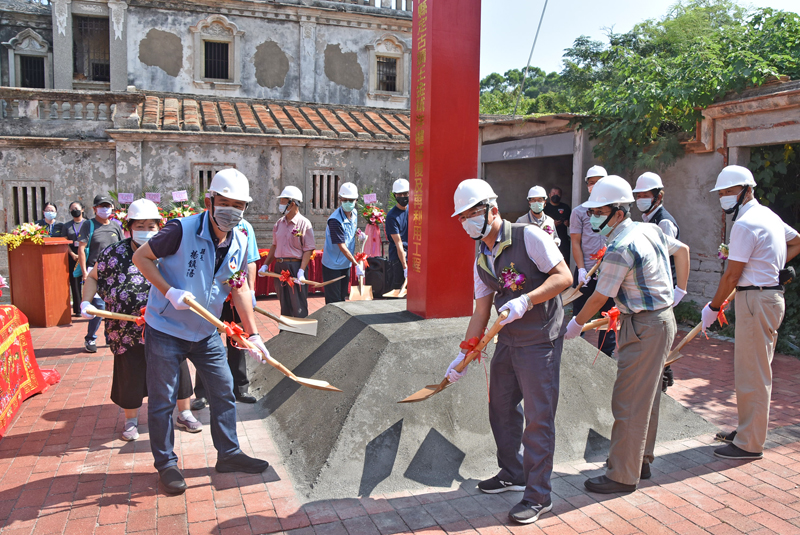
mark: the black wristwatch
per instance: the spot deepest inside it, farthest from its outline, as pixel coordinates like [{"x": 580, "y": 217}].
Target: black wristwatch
[{"x": 713, "y": 308}]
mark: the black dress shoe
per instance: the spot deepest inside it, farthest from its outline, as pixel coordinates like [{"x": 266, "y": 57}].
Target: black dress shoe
[
  {"x": 645, "y": 471},
  {"x": 199, "y": 404},
  {"x": 245, "y": 398},
  {"x": 172, "y": 480},
  {"x": 242, "y": 463},
  {"x": 603, "y": 485}
]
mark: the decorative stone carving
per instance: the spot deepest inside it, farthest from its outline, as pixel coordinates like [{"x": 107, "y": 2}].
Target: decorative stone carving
[
  {"x": 118, "y": 17},
  {"x": 29, "y": 41},
  {"x": 62, "y": 8},
  {"x": 217, "y": 25}
]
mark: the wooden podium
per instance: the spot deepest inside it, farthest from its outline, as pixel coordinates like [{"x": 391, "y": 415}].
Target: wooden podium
[{"x": 40, "y": 281}]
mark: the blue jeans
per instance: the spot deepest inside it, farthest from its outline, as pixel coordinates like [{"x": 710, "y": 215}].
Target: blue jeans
[
  {"x": 94, "y": 323},
  {"x": 164, "y": 355}
]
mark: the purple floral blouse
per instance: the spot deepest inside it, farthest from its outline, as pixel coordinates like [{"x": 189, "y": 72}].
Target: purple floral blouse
[{"x": 125, "y": 291}]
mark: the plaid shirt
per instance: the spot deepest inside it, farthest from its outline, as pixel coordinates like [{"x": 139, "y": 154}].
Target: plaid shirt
[{"x": 635, "y": 269}]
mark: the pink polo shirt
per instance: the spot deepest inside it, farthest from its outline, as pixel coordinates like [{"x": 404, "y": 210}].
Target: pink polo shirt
[{"x": 292, "y": 238}]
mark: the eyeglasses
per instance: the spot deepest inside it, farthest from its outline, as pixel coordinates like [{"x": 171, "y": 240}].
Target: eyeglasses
[
  {"x": 596, "y": 212},
  {"x": 472, "y": 213}
]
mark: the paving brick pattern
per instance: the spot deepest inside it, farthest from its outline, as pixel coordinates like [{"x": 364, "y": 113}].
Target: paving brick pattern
[{"x": 63, "y": 469}]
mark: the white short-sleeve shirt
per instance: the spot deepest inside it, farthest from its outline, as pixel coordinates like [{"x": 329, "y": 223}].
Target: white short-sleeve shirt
[
  {"x": 758, "y": 239},
  {"x": 541, "y": 249}
]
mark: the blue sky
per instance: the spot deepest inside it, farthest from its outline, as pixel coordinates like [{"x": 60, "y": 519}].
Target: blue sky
[{"x": 508, "y": 27}]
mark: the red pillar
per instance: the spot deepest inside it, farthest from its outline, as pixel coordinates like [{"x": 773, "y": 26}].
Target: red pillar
[{"x": 444, "y": 151}]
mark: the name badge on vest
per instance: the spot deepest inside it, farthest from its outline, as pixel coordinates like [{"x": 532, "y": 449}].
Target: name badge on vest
[{"x": 232, "y": 263}]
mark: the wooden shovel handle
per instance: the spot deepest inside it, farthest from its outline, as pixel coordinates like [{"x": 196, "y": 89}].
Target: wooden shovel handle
[
  {"x": 693, "y": 333},
  {"x": 111, "y": 315},
  {"x": 483, "y": 343},
  {"x": 594, "y": 324}
]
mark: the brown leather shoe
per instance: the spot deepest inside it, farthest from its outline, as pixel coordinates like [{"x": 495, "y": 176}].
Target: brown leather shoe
[{"x": 603, "y": 485}]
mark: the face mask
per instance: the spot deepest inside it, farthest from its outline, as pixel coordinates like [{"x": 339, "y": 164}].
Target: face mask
[
  {"x": 728, "y": 202},
  {"x": 282, "y": 208},
  {"x": 644, "y": 205},
  {"x": 142, "y": 236},
  {"x": 600, "y": 224},
  {"x": 537, "y": 207},
  {"x": 50, "y": 215},
  {"x": 103, "y": 212},
  {"x": 476, "y": 226},
  {"x": 555, "y": 199},
  {"x": 227, "y": 217},
  {"x": 348, "y": 206},
  {"x": 75, "y": 213},
  {"x": 402, "y": 201}
]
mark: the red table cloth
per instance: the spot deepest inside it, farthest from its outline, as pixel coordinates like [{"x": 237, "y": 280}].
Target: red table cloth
[
  {"x": 266, "y": 285},
  {"x": 20, "y": 377}
]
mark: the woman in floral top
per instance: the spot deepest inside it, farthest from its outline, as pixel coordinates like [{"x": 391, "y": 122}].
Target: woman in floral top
[{"x": 118, "y": 282}]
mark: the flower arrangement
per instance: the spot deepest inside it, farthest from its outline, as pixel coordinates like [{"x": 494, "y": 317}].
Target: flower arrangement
[
  {"x": 237, "y": 279},
  {"x": 183, "y": 210},
  {"x": 297, "y": 233},
  {"x": 119, "y": 214},
  {"x": 723, "y": 251},
  {"x": 511, "y": 278},
  {"x": 3, "y": 284},
  {"x": 26, "y": 231},
  {"x": 373, "y": 214}
]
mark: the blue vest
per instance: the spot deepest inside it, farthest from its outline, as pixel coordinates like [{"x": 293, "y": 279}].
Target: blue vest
[
  {"x": 192, "y": 269},
  {"x": 332, "y": 257}
]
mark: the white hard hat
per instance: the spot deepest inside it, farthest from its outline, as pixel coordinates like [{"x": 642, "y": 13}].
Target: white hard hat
[
  {"x": 734, "y": 175},
  {"x": 143, "y": 209},
  {"x": 471, "y": 192},
  {"x": 232, "y": 184},
  {"x": 348, "y": 190},
  {"x": 648, "y": 181},
  {"x": 610, "y": 190},
  {"x": 595, "y": 170},
  {"x": 291, "y": 192},
  {"x": 400, "y": 186},
  {"x": 537, "y": 191}
]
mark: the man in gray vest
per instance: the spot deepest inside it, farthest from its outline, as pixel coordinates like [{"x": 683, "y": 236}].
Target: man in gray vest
[{"x": 520, "y": 269}]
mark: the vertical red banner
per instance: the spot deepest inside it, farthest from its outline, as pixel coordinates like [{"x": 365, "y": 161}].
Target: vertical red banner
[{"x": 445, "y": 88}]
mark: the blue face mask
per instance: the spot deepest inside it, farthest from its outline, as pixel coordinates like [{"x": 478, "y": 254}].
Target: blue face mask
[
  {"x": 348, "y": 206},
  {"x": 597, "y": 221}
]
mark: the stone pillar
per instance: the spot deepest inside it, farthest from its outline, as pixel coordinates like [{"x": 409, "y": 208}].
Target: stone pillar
[
  {"x": 62, "y": 44},
  {"x": 308, "y": 59},
  {"x": 444, "y": 143},
  {"x": 129, "y": 166},
  {"x": 117, "y": 40}
]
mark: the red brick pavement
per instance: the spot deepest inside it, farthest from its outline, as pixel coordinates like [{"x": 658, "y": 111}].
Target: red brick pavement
[{"x": 63, "y": 469}]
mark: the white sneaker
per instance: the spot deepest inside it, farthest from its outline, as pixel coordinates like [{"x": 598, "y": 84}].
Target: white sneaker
[{"x": 131, "y": 431}]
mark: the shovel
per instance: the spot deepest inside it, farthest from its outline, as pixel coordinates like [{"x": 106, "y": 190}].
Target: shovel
[
  {"x": 398, "y": 293},
  {"x": 315, "y": 284},
  {"x": 571, "y": 294},
  {"x": 361, "y": 292},
  {"x": 675, "y": 354},
  {"x": 208, "y": 316},
  {"x": 111, "y": 315},
  {"x": 432, "y": 390},
  {"x": 288, "y": 323}
]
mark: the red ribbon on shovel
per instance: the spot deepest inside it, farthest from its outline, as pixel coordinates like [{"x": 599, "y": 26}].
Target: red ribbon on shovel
[
  {"x": 599, "y": 254},
  {"x": 361, "y": 257},
  {"x": 613, "y": 321},
  {"x": 140, "y": 319},
  {"x": 286, "y": 277}
]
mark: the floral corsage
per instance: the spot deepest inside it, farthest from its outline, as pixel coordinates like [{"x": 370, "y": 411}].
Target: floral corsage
[
  {"x": 548, "y": 229},
  {"x": 511, "y": 278},
  {"x": 724, "y": 251},
  {"x": 297, "y": 233},
  {"x": 237, "y": 279}
]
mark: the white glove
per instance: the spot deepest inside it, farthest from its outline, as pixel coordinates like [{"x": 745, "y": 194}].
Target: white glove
[
  {"x": 255, "y": 303},
  {"x": 517, "y": 308},
  {"x": 359, "y": 270},
  {"x": 301, "y": 275},
  {"x": 260, "y": 352},
  {"x": 405, "y": 273},
  {"x": 573, "y": 329},
  {"x": 451, "y": 373},
  {"x": 709, "y": 316},
  {"x": 262, "y": 272},
  {"x": 583, "y": 277},
  {"x": 679, "y": 294},
  {"x": 83, "y": 310},
  {"x": 176, "y": 297}
]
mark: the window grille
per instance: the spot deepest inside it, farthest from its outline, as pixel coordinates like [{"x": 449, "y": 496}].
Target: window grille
[
  {"x": 31, "y": 71},
  {"x": 203, "y": 173},
  {"x": 91, "y": 49},
  {"x": 27, "y": 202},
  {"x": 324, "y": 191},
  {"x": 387, "y": 74},
  {"x": 216, "y": 60}
]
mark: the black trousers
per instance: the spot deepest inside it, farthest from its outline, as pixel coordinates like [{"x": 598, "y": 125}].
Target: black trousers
[
  {"x": 75, "y": 287},
  {"x": 237, "y": 361},
  {"x": 606, "y": 340},
  {"x": 397, "y": 276},
  {"x": 336, "y": 292},
  {"x": 293, "y": 299}
]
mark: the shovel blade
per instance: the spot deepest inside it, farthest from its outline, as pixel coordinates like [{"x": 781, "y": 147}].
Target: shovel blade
[
  {"x": 426, "y": 392},
  {"x": 317, "y": 384},
  {"x": 672, "y": 357},
  {"x": 570, "y": 295},
  {"x": 393, "y": 293},
  {"x": 298, "y": 325},
  {"x": 364, "y": 295}
]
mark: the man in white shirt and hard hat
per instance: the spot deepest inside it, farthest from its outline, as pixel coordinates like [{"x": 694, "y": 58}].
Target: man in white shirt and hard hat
[
  {"x": 340, "y": 245},
  {"x": 636, "y": 273},
  {"x": 527, "y": 359},
  {"x": 292, "y": 247},
  {"x": 586, "y": 245},
  {"x": 536, "y": 216},
  {"x": 760, "y": 246},
  {"x": 200, "y": 257},
  {"x": 649, "y": 193}
]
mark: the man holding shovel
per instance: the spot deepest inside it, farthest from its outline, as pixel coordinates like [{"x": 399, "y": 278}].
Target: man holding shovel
[
  {"x": 760, "y": 246},
  {"x": 586, "y": 245},
  {"x": 340, "y": 245},
  {"x": 521, "y": 270},
  {"x": 636, "y": 273},
  {"x": 198, "y": 257},
  {"x": 292, "y": 246}
]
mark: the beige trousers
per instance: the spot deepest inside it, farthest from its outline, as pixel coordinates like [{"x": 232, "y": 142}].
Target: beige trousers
[
  {"x": 644, "y": 343},
  {"x": 758, "y": 315}
]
